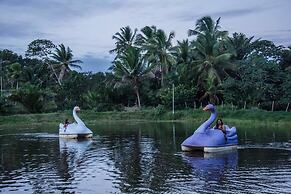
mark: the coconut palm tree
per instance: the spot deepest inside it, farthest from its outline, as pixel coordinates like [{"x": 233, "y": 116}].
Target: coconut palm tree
[
  {"x": 147, "y": 34},
  {"x": 15, "y": 71},
  {"x": 158, "y": 49},
  {"x": 124, "y": 39},
  {"x": 131, "y": 68},
  {"x": 212, "y": 59},
  {"x": 241, "y": 45},
  {"x": 64, "y": 61},
  {"x": 184, "y": 56}
]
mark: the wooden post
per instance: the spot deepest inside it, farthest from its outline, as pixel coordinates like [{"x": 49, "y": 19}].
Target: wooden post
[
  {"x": 232, "y": 106},
  {"x": 259, "y": 105},
  {"x": 287, "y": 107},
  {"x": 273, "y": 105},
  {"x": 194, "y": 105},
  {"x": 245, "y": 105},
  {"x": 173, "y": 100},
  {"x": 1, "y": 85},
  {"x": 186, "y": 105}
]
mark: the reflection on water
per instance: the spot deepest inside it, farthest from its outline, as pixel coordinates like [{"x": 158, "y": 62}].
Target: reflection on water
[
  {"x": 212, "y": 166},
  {"x": 142, "y": 157}
]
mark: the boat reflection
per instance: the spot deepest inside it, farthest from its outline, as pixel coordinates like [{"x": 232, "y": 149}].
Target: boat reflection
[
  {"x": 76, "y": 146},
  {"x": 72, "y": 156},
  {"x": 212, "y": 166}
]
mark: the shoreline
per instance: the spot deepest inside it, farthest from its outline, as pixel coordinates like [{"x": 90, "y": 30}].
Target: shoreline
[{"x": 249, "y": 117}]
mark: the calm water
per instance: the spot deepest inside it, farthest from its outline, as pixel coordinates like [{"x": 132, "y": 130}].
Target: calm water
[{"x": 142, "y": 157}]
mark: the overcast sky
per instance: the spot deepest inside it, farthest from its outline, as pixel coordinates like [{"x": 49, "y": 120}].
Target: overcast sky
[{"x": 87, "y": 26}]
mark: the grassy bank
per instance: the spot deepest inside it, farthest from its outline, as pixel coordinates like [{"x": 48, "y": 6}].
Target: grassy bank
[{"x": 91, "y": 117}]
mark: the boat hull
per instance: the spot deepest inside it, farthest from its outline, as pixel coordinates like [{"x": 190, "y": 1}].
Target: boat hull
[
  {"x": 75, "y": 136},
  {"x": 208, "y": 149}
]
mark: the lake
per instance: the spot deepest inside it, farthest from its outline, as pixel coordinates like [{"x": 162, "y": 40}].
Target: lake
[{"x": 142, "y": 157}]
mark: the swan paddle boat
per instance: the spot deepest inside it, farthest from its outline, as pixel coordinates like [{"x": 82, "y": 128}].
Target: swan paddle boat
[
  {"x": 77, "y": 129},
  {"x": 210, "y": 139}
]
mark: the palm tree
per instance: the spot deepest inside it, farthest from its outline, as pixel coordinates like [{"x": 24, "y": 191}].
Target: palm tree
[
  {"x": 158, "y": 49},
  {"x": 15, "y": 73},
  {"x": 212, "y": 59},
  {"x": 148, "y": 33},
  {"x": 124, "y": 39},
  {"x": 64, "y": 60},
  {"x": 241, "y": 45},
  {"x": 184, "y": 56},
  {"x": 131, "y": 68}
]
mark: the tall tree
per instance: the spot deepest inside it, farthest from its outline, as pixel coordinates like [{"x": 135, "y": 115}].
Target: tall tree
[
  {"x": 124, "y": 39},
  {"x": 42, "y": 49},
  {"x": 7, "y": 58},
  {"x": 158, "y": 49},
  {"x": 241, "y": 45},
  {"x": 212, "y": 60},
  {"x": 15, "y": 72},
  {"x": 131, "y": 68},
  {"x": 64, "y": 60},
  {"x": 184, "y": 56}
]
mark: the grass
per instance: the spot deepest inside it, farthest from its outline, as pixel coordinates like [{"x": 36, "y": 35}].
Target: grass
[{"x": 249, "y": 116}]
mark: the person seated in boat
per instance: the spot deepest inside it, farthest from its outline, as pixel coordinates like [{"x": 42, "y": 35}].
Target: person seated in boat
[
  {"x": 220, "y": 126},
  {"x": 66, "y": 123}
]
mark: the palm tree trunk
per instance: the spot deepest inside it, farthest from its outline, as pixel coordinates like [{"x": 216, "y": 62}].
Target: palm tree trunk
[
  {"x": 62, "y": 73},
  {"x": 54, "y": 72},
  {"x": 1, "y": 85},
  {"x": 137, "y": 95},
  {"x": 162, "y": 75}
]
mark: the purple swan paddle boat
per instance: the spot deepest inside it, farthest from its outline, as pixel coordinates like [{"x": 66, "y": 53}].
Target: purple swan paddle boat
[{"x": 210, "y": 139}]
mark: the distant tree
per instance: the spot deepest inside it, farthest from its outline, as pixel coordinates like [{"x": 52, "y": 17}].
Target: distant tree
[
  {"x": 32, "y": 97},
  {"x": 7, "y": 58},
  {"x": 15, "y": 71},
  {"x": 185, "y": 56},
  {"x": 241, "y": 45},
  {"x": 64, "y": 61},
  {"x": 40, "y": 49},
  {"x": 131, "y": 69},
  {"x": 286, "y": 58},
  {"x": 124, "y": 39},
  {"x": 212, "y": 61},
  {"x": 158, "y": 49}
]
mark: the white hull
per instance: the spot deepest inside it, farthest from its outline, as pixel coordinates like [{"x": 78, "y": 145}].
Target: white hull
[
  {"x": 209, "y": 149},
  {"x": 76, "y": 136}
]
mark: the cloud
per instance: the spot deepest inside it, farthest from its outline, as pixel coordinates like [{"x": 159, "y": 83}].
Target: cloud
[
  {"x": 18, "y": 29},
  {"x": 87, "y": 26},
  {"x": 95, "y": 64},
  {"x": 236, "y": 12}
]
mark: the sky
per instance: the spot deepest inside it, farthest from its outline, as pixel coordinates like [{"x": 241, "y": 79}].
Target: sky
[{"x": 87, "y": 26}]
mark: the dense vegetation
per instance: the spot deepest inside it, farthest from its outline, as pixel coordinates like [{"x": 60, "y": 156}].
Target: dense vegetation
[{"x": 210, "y": 66}]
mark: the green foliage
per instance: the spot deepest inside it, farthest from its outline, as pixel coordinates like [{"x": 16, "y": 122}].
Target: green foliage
[
  {"x": 183, "y": 96},
  {"x": 210, "y": 67},
  {"x": 260, "y": 81},
  {"x": 5, "y": 104},
  {"x": 64, "y": 61},
  {"x": 40, "y": 49},
  {"x": 33, "y": 98}
]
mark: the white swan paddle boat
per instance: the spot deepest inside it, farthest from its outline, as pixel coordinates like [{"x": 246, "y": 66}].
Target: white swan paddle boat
[{"x": 77, "y": 129}]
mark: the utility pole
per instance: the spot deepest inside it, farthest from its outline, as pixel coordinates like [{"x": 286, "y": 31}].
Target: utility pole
[{"x": 173, "y": 99}]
